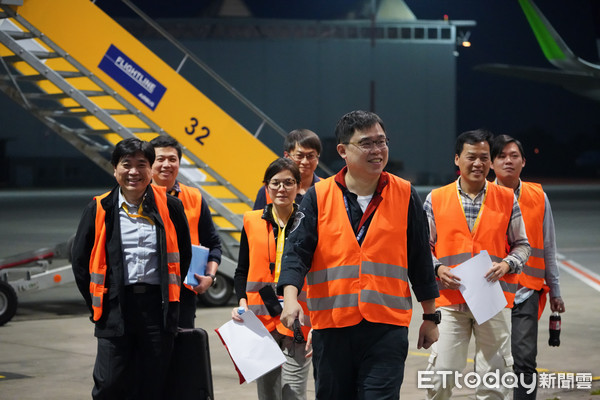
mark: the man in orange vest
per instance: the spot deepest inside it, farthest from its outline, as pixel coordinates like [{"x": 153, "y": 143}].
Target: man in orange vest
[
  {"x": 202, "y": 230},
  {"x": 131, "y": 248},
  {"x": 466, "y": 217},
  {"x": 508, "y": 162},
  {"x": 360, "y": 236},
  {"x": 302, "y": 146}
]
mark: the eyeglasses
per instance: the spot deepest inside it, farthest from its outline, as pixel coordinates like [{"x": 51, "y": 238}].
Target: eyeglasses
[
  {"x": 368, "y": 144},
  {"x": 274, "y": 184},
  {"x": 301, "y": 156}
]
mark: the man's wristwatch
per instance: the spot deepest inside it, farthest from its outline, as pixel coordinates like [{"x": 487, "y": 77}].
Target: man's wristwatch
[
  {"x": 214, "y": 278},
  {"x": 511, "y": 266},
  {"x": 435, "y": 317}
]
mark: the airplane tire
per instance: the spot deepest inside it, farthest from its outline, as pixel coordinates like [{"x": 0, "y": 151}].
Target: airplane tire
[
  {"x": 8, "y": 302},
  {"x": 219, "y": 294}
]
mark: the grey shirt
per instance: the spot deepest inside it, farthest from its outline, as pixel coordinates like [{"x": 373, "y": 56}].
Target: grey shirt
[{"x": 552, "y": 274}]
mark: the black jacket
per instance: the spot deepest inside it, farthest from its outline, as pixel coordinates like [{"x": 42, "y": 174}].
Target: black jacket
[{"x": 113, "y": 313}]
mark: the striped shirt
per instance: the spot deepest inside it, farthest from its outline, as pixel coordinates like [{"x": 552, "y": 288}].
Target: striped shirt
[
  {"x": 516, "y": 236},
  {"x": 138, "y": 237}
]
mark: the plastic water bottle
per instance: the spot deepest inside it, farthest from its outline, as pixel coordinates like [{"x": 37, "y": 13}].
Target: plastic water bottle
[{"x": 554, "y": 339}]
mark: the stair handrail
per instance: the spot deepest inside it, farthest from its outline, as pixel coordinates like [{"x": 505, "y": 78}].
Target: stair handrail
[{"x": 188, "y": 54}]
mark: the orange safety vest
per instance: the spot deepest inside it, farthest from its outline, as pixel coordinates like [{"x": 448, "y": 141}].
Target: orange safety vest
[
  {"x": 533, "y": 207},
  {"x": 262, "y": 249},
  {"x": 192, "y": 203},
  {"x": 98, "y": 257},
  {"x": 348, "y": 282},
  {"x": 456, "y": 243}
]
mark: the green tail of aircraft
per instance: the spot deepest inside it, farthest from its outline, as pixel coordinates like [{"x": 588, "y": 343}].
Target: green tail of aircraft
[{"x": 574, "y": 74}]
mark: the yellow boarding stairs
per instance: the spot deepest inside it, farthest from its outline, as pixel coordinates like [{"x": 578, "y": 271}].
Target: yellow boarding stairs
[{"x": 84, "y": 76}]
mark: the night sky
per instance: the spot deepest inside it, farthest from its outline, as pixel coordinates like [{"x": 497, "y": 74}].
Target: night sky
[{"x": 562, "y": 126}]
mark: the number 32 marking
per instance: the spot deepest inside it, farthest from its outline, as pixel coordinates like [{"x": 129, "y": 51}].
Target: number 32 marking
[{"x": 192, "y": 130}]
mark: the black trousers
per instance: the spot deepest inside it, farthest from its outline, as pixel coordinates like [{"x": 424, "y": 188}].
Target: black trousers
[
  {"x": 134, "y": 366},
  {"x": 187, "y": 308},
  {"x": 524, "y": 338},
  {"x": 364, "y": 361}
]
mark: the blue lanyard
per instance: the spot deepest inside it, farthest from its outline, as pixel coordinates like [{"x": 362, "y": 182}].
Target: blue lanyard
[{"x": 362, "y": 229}]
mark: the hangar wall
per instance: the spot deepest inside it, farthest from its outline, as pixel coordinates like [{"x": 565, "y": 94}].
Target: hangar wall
[{"x": 301, "y": 74}]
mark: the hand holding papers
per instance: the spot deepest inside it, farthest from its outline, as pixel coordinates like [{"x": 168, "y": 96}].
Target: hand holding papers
[
  {"x": 197, "y": 265},
  {"x": 251, "y": 347},
  {"x": 485, "y": 299}
]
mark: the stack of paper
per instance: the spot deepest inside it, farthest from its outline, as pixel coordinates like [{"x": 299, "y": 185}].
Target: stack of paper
[
  {"x": 251, "y": 347},
  {"x": 485, "y": 299}
]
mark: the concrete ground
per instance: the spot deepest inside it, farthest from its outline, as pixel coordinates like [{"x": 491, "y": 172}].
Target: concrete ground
[
  {"x": 47, "y": 350},
  {"x": 51, "y": 356}
]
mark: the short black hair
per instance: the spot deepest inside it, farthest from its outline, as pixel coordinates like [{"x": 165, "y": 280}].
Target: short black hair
[
  {"x": 166, "y": 141},
  {"x": 500, "y": 143},
  {"x": 302, "y": 137},
  {"x": 130, "y": 147},
  {"x": 473, "y": 137},
  {"x": 282, "y": 164},
  {"x": 355, "y": 121}
]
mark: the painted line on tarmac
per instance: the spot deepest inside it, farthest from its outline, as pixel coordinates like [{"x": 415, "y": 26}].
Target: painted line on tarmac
[
  {"x": 580, "y": 272},
  {"x": 9, "y": 375}
]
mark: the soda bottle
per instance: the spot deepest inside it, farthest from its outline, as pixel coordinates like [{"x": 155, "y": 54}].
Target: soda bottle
[{"x": 554, "y": 339}]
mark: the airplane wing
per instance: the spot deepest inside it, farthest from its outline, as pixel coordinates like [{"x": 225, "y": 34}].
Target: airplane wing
[
  {"x": 545, "y": 75},
  {"x": 582, "y": 83},
  {"x": 573, "y": 73}
]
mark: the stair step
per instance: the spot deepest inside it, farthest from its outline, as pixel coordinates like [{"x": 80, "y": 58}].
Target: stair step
[
  {"x": 20, "y": 35},
  {"x": 38, "y": 77},
  {"x": 98, "y": 132},
  {"x": 78, "y": 114},
  {"x": 61, "y": 96}
]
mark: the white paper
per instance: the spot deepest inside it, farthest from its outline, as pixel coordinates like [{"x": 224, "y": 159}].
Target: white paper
[
  {"x": 197, "y": 264},
  {"x": 485, "y": 299},
  {"x": 251, "y": 346}
]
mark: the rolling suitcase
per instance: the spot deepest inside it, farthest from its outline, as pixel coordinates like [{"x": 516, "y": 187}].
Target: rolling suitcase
[{"x": 190, "y": 375}]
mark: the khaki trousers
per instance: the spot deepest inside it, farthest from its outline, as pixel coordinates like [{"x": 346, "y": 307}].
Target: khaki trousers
[{"x": 449, "y": 353}]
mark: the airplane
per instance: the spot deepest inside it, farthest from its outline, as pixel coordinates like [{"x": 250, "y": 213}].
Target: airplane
[{"x": 573, "y": 74}]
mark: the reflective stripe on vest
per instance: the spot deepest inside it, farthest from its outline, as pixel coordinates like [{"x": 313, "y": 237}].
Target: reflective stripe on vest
[
  {"x": 262, "y": 248},
  {"x": 355, "y": 282},
  {"x": 456, "y": 243},
  {"x": 98, "y": 257},
  {"x": 173, "y": 267},
  {"x": 98, "y": 260},
  {"x": 532, "y": 203},
  {"x": 461, "y": 258}
]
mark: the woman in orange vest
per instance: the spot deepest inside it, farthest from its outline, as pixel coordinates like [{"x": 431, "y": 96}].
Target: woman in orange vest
[
  {"x": 256, "y": 276},
  {"x": 303, "y": 146}
]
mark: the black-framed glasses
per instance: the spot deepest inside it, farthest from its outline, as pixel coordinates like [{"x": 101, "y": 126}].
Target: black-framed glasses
[
  {"x": 301, "y": 156},
  {"x": 288, "y": 184},
  {"x": 368, "y": 144}
]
